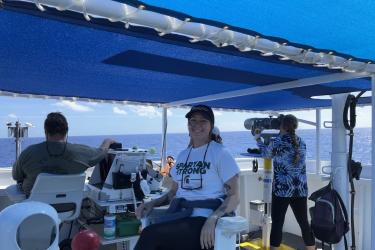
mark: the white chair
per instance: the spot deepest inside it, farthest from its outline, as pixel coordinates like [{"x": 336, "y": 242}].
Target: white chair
[
  {"x": 29, "y": 225},
  {"x": 14, "y": 194},
  {"x": 226, "y": 232},
  {"x": 63, "y": 192}
]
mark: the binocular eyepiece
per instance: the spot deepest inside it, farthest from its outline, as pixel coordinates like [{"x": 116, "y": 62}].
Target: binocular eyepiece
[{"x": 261, "y": 124}]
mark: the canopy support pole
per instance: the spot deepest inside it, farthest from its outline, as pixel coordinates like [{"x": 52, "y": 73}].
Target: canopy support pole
[
  {"x": 339, "y": 157},
  {"x": 268, "y": 88},
  {"x": 373, "y": 163},
  {"x": 317, "y": 141},
  {"x": 164, "y": 137}
]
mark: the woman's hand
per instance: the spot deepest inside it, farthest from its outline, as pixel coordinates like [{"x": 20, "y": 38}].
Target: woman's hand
[
  {"x": 208, "y": 232},
  {"x": 257, "y": 134},
  {"x": 143, "y": 210}
]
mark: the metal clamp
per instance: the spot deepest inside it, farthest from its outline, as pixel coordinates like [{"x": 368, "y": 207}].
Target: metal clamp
[{"x": 327, "y": 124}]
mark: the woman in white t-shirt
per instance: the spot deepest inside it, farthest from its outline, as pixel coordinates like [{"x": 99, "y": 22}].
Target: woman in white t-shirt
[{"x": 203, "y": 172}]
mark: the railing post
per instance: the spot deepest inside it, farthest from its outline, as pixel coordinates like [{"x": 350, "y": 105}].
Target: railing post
[
  {"x": 373, "y": 162},
  {"x": 339, "y": 156}
]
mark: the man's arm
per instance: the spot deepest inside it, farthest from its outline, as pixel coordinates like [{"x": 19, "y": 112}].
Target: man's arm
[
  {"x": 230, "y": 204},
  {"x": 106, "y": 143},
  {"x": 17, "y": 173},
  {"x": 91, "y": 156}
]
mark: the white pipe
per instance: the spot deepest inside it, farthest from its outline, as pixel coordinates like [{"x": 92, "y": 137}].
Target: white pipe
[
  {"x": 317, "y": 139},
  {"x": 307, "y": 122},
  {"x": 271, "y": 87},
  {"x": 339, "y": 155},
  {"x": 373, "y": 163}
]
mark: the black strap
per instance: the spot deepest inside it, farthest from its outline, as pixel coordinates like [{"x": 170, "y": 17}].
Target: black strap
[
  {"x": 342, "y": 205},
  {"x": 350, "y": 105},
  {"x": 343, "y": 209},
  {"x": 346, "y": 242}
]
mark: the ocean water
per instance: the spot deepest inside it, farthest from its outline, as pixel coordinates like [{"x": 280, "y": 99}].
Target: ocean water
[{"x": 236, "y": 142}]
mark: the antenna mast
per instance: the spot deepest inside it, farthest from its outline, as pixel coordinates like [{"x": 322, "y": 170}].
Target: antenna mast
[{"x": 18, "y": 132}]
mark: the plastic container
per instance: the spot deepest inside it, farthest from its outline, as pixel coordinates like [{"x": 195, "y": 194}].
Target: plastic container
[
  {"x": 109, "y": 227},
  {"x": 127, "y": 225}
]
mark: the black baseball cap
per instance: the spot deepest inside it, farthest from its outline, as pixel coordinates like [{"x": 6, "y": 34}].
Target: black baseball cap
[{"x": 204, "y": 110}]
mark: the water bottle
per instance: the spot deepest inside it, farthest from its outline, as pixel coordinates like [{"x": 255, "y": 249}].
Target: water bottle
[{"x": 109, "y": 226}]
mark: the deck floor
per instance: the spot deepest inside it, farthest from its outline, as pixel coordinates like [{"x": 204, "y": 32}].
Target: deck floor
[{"x": 290, "y": 241}]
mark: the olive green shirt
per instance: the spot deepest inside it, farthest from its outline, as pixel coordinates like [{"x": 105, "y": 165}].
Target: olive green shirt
[{"x": 54, "y": 158}]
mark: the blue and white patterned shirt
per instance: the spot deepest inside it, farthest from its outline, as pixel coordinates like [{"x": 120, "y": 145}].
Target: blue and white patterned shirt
[{"x": 289, "y": 179}]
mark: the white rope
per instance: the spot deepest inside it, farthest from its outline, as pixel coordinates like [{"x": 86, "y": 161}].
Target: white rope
[
  {"x": 84, "y": 10},
  {"x": 39, "y": 5}
]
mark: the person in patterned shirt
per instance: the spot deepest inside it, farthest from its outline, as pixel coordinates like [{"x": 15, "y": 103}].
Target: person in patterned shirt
[{"x": 289, "y": 187}]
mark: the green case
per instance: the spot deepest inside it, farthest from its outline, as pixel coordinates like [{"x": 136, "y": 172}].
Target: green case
[{"x": 127, "y": 226}]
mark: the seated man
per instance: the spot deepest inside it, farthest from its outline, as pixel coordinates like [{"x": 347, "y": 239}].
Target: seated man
[
  {"x": 167, "y": 167},
  {"x": 55, "y": 155}
]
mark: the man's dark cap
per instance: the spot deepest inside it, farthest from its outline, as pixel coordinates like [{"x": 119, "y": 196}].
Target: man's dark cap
[{"x": 204, "y": 110}]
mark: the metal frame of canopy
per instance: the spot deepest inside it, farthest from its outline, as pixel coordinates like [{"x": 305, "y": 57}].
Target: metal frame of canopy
[
  {"x": 373, "y": 163},
  {"x": 224, "y": 36}
]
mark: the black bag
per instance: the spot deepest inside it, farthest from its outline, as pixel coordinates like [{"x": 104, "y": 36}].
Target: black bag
[
  {"x": 123, "y": 181},
  {"x": 329, "y": 218}
]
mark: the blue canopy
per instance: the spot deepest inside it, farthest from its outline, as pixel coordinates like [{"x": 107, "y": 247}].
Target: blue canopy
[
  {"x": 344, "y": 26},
  {"x": 59, "y": 53}
]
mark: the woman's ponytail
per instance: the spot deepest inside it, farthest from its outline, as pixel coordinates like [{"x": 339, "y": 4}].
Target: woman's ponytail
[
  {"x": 290, "y": 124},
  {"x": 215, "y": 135}
]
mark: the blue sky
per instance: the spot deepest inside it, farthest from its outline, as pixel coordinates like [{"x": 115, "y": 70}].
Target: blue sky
[{"x": 109, "y": 119}]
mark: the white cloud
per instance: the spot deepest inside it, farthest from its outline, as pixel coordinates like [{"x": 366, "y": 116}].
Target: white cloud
[
  {"x": 169, "y": 113},
  {"x": 73, "y": 106},
  {"x": 92, "y": 103},
  {"x": 119, "y": 111},
  {"x": 217, "y": 113},
  {"x": 146, "y": 111},
  {"x": 13, "y": 116}
]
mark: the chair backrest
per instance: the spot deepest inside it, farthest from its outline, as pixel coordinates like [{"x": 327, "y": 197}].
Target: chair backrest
[
  {"x": 29, "y": 225},
  {"x": 63, "y": 192}
]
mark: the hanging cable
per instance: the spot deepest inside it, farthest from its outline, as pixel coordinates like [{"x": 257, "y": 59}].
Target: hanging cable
[{"x": 349, "y": 124}]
